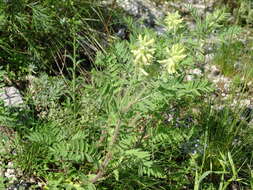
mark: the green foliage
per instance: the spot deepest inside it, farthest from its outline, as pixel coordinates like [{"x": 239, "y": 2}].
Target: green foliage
[
  {"x": 234, "y": 56},
  {"x": 129, "y": 122},
  {"x": 2, "y": 72},
  {"x": 37, "y": 33}
]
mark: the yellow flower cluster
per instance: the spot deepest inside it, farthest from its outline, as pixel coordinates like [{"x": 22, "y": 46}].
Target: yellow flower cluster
[
  {"x": 143, "y": 51},
  {"x": 175, "y": 56},
  {"x": 173, "y": 21}
]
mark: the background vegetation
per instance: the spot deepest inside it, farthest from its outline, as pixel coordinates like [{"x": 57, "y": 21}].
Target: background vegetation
[{"x": 102, "y": 112}]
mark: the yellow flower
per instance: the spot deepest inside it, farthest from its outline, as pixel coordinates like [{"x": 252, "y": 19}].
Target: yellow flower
[
  {"x": 177, "y": 52},
  {"x": 169, "y": 65},
  {"x": 143, "y": 51},
  {"x": 173, "y": 21},
  {"x": 175, "y": 56}
]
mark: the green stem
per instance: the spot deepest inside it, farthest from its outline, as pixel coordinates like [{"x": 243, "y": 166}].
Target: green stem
[{"x": 74, "y": 76}]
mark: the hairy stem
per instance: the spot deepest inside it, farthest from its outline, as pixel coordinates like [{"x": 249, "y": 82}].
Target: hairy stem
[{"x": 108, "y": 156}]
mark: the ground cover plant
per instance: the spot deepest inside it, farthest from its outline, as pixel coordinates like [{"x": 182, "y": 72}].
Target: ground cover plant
[{"x": 133, "y": 119}]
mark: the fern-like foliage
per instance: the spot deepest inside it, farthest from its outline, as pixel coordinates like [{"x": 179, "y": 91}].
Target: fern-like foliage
[{"x": 117, "y": 132}]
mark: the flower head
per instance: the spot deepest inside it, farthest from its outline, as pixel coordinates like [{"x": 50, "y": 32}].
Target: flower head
[
  {"x": 175, "y": 56},
  {"x": 173, "y": 21},
  {"x": 143, "y": 51}
]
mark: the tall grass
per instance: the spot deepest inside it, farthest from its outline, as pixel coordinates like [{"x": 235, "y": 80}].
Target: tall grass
[{"x": 35, "y": 35}]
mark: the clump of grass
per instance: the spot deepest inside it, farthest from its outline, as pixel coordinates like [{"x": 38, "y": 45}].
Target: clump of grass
[
  {"x": 36, "y": 35},
  {"x": 235, "y": 59}
]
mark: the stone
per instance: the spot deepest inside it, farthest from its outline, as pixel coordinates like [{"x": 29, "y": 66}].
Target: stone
[
  {"x": 10, "y": 173},
  {"x": 196, "y": 71},
  {"x": 202, "y": 7},
  {"x": 11, "y": 96},
  {"x": 191, "y": 25},
  {"x": 160, "y": 30},
  {"x": 144, "y": 9},
  {"x": 22, "y": 185}
]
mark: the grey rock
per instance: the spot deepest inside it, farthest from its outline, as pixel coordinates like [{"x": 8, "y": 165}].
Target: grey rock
[
  {"x": 10, "y": 170},
  {"x": 202, "y": 7},
  {"x": 22, "y": 185},
  {"x": 197, "y": 72},
  {"x": 191, "y": 25},
  {"x": 160, "y": 30},
  {"x": 143, "y": 9},
  {"x": 11, "y": 96}
]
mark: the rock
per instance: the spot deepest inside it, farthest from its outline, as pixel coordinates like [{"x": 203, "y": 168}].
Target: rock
[
  {"x": 202, "y": 7},
  {"x": 191, "y": 25},
  {"x": 11, "y": 96},
  {"x": 193, "y": 74},
  {"x": 196, "y": 71},
  {"x": 22, "y": 185},
  {"x": 160, "y": 30},
  {"x": 144, "y": 9},
  {"x": 10, "y": 173}
]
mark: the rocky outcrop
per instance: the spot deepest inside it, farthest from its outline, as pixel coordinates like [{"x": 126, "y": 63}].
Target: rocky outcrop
[
  {"x": 144, "y": 9},
  {"x": 11, "y": 96}
]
